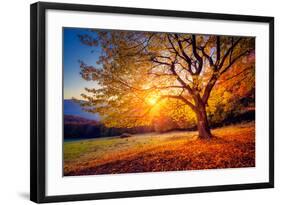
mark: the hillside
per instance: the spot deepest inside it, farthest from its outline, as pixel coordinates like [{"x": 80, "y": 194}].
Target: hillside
[{"x": 233, "y": 146}]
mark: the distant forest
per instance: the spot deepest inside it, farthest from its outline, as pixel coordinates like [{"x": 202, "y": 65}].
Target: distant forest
[{"x": 80, "y": 128}]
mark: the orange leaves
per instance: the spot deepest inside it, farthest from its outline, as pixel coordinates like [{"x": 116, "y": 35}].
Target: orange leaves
[{"x": 137, "y": 68}]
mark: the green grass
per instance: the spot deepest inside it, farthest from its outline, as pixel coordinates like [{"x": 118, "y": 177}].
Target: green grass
[{"x": 99, "y": 147}]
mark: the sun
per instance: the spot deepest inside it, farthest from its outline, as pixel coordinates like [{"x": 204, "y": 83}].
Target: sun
[{"x": 152, "y": 100}]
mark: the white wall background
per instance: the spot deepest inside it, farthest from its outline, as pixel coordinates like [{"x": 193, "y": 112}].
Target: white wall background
[{"x": 14, "y": 103}]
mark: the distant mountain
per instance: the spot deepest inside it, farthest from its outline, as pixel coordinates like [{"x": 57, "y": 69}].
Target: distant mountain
[
  {"x": 74, "y": 109},
  {"x": 75, "y": 120}
]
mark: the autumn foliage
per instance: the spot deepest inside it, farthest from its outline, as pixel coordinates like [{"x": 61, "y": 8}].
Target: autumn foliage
[
  {"x": 167, "y": 102},
  {"x": 144, "y": 78}
]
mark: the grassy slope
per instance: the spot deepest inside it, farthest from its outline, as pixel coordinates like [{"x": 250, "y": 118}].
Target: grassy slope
[{"x": 234, "y": 146}]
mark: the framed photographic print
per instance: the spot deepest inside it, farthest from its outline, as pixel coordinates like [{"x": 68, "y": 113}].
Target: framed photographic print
[{"x": 129, "y": 102}]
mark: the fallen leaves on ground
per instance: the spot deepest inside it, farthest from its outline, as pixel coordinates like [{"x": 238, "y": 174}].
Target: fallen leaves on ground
[{"x": 232, "y": 147}]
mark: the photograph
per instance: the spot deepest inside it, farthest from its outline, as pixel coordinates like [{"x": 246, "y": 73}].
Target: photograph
[{"x": 148, "y": 101}]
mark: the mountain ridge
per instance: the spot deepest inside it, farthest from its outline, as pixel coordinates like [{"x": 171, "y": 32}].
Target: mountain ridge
[{"x": 74, "y": 109}]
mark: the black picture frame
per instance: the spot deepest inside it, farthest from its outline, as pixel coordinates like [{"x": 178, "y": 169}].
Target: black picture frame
[{"x": 38, "y": 104}]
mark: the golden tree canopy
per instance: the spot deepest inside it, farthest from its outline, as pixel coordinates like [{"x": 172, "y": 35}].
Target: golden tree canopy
[{"x": 145, "y": 76}]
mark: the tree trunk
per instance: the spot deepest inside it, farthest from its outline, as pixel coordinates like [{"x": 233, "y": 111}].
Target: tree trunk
[{"x": 204, "y": 131}]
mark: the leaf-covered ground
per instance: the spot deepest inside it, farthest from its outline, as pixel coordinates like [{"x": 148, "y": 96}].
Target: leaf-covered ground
[{"x": 233, "y": 146}]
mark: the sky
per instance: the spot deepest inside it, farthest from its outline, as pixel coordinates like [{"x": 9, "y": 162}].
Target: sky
[{"x": 73, "y": 51}]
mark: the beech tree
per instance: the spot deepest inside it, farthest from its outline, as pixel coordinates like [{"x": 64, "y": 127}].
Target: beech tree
[{"x": 140, "y": 74}]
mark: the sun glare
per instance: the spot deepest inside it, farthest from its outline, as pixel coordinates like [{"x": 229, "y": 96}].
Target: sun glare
[{"x": 152, "y": 100}]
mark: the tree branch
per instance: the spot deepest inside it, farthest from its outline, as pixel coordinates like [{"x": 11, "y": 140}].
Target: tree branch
[
  {"x": 186, "y": 57},
  {"x": 207, "y": 56},
  {"x": 160, "y": 62},
  {"x": 232, "y": 47},
  {"x": 175, "y": 51},
  {"x": 215, "y": 77},
  {"x": 180, "y": 79},
  {"x": 236, "y": 75},
  {"x": 197, "y": 56},
  {"x": 218, "y": 50},
  {"x": 180, "y": 97},
  {"x": 234, "y": 60},
  {"x": 210, "y": 86}
]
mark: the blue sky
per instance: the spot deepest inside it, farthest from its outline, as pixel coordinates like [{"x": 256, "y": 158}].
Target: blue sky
[{"x": 74, "y": 51}]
